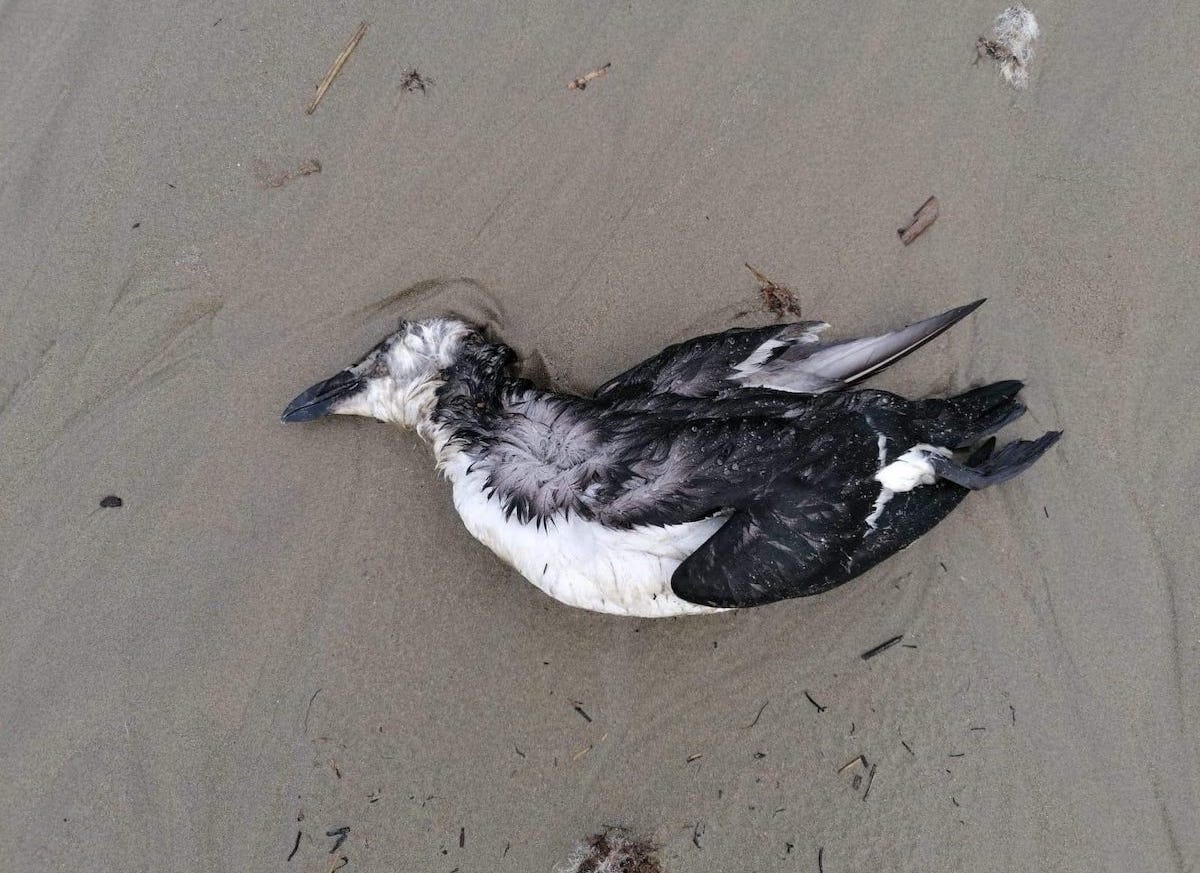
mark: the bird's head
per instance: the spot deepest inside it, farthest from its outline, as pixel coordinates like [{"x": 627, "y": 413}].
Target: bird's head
[{"x": 397, "y": 381}]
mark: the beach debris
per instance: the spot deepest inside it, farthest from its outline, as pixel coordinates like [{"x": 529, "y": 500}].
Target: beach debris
[
  {"x": 819, "y": 707},
  {"x": 338, "y": 864},
  {"x": 341, "y": 834},
  {"x": 697, "y": 833},
  {"x": 111, "y": 501},
  {"x": 852, "y": 762},
  {"x": 908, "y": 748},
  {"x": 577, "y": 705},
  {"x": 295, "y": 846},
  {"x": 882, "y": 647},
  {"x": 696, "y": 757},
  {"x": 757, "y": 715},
  {"x": 308, "y": 709},
  {"x": 462, "y": 837},
  {"x": 1011, "y": 44},
  {"x": 820, "y": 859},
  {"x": 920, "y": 222},
  {"x": 414, "y": 81},
  {"x": 870, "y": 779},
  {"x": 777, "y": 299},
  {"x": 268, "y": 178},
  {"x": 613, "y": 852},
  {"x": 336, "y": 67},
  {"x": 581, "y": 82}
]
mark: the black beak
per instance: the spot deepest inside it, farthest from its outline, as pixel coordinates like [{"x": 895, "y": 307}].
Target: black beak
[{"x": 320, "y": 398}]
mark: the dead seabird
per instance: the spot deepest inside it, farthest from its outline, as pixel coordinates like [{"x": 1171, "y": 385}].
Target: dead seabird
[{"x": 730, "y": 470}]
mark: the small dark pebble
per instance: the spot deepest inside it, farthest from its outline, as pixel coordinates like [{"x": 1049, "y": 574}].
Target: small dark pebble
[{"x": 111, "y": 501}]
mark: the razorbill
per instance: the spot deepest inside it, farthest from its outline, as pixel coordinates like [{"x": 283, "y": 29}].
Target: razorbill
[{"x": 730, "y": 470}]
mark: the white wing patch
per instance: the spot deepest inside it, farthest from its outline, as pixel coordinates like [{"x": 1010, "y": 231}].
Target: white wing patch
[{"x": 903, "y": 474}]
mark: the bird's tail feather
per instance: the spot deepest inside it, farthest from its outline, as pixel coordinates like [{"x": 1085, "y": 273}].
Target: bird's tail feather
[{"x": 1014, "y": 458}]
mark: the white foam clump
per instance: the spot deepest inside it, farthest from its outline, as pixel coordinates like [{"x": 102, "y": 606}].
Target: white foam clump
[{"x": 1012, "y": 44}]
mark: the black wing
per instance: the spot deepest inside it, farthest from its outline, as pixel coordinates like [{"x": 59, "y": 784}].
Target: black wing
[
  {"x": 804, "y": 546},
  {"x": 788, "y": 358},
  {"x": 701, "y": 367}
]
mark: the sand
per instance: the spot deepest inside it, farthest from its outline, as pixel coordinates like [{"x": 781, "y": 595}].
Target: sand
[{"x": 162, "y": 301}]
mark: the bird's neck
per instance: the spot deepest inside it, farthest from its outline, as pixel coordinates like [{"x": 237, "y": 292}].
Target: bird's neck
[{"x": 469, "y": 402}]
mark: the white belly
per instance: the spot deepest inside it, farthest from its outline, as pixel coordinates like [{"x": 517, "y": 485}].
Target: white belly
[{"x": 585, "y": 564}]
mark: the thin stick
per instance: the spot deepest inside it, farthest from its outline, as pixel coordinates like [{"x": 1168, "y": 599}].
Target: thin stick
[
  {"x": 882, "y": 647},
  {"x": 920, "y": 222},
  {"x": 336, "y": 67},
  {"x": 870, "y": 779}
]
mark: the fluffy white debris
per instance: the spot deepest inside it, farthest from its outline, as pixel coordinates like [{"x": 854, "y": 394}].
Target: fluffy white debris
[
  {"x": 611, "y": 852},
  {"x": 1011, "y": 44}
]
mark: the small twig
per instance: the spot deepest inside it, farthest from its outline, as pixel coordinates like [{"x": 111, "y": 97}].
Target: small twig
[
  {"x": 909, "y": 748},
  {"x": 882, "y": 647},
  {"x": 462, "y": 837},
  {"x": 920, "y": 222},
  {"x": 336, "y": 67},
  {"x": 820, "y": 859},
  {"x": 870, "y": 779},
  {"x": 295, "y": 846},
  {"x": 814, "y": 703},
  {"x": 578, "y": 707},
  {"x": 757, "y": 716},
  {"x": 581, "y": 82},
  {"x": 696, "y": 757},
  {"x": 339, "y": 864}
]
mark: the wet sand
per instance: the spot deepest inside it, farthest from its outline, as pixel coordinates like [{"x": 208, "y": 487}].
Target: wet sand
[{"x": 163, "y": 300}]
